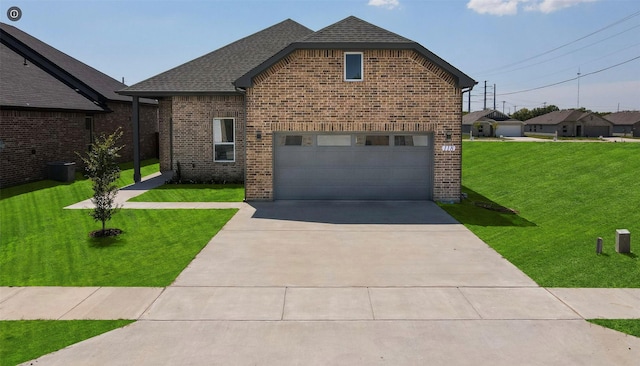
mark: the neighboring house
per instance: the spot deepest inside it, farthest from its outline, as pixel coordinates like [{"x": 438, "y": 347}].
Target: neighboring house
[
  {"x": 351, "y": 111},
  {"x": 625, "y": 123},
  {"x": 491, "y": 123},
  {"x": 569, "y": 123},
  {"x": 52, "y": 106}
]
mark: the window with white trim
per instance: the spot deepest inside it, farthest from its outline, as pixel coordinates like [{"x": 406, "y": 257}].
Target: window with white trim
[
  {"x": 224, "y": 145},
  {"x": 353, "y": 66}
]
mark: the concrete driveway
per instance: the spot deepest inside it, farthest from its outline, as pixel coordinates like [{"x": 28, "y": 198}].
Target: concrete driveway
[{"x": 353, "y": 283}]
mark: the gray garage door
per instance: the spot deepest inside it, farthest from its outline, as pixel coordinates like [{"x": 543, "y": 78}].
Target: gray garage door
[
  {"x": 353, "y": 166},
  {"x": 595, "y": 131}
]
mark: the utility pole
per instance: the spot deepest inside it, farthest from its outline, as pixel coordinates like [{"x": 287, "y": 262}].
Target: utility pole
[
  {"x": 485, "y": 96},
  {"x": 494, "y": 97},
  {"x": 503, "y": 102},
  {"x": 578, "y": 88}
]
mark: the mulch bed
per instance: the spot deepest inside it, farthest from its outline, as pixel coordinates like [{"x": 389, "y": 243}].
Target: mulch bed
[{"x": 106, "y": 233}]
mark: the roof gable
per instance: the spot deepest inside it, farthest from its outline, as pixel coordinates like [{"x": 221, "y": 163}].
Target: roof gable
[
  {"x": 98, "y": 84},
  {"x": 216, "y": 71},
  {"x": 354, "y": 33}
]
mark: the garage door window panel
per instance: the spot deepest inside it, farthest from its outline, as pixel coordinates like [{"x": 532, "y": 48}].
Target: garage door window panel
[
  {"x": 372, "y": 140},
  {"x": 224, "y": 145},
  {"x": 334, "y": 140},
  {"x": 411, "y": 140}
]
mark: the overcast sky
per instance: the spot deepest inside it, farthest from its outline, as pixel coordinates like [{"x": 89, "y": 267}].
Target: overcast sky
[{"x": 516, "y": 44}]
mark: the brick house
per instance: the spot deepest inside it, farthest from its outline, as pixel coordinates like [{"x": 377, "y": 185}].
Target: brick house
[
  {"x": 351, "y": 111},
  {"x": 491, "y": 123},
  {"x": 569, "y": 123},
  {"x": 52, "y": 106}
]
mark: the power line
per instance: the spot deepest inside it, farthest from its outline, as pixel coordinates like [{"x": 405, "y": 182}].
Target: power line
[
  {"x": 572, "y": 79},
  {"x": 564, "y": 54},
  {"x": 564, "y": 45}
]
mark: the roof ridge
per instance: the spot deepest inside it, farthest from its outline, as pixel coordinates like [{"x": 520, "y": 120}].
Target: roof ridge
[{"x": 352, "y": 23}]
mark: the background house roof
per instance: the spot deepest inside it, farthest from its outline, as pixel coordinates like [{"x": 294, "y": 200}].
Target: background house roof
[
  {"x": 96, "y": 80},
  {"x": 216, "y": 71},
  {"x": 624, "y": 118},
  {"x": 488, "y": 115},
  {"x": 235, "y": 65},
  {"x": 25, "y": 85},
  {"x": 556, "y": 117}
]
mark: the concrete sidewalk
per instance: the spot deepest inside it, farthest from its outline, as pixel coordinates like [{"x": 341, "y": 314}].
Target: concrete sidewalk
[
  {"x": 316, "y": 303},
  {"x": 341, "y": 283}
]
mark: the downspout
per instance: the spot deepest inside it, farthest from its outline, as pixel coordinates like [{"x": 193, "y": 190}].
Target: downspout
[
  {"x": 135, "y": 111},
  {"x": 467, "y": 90},
  {"x": 244, "y": 147}
]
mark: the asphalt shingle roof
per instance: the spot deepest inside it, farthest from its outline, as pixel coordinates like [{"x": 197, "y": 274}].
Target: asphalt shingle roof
[
  {"x": 354, "y": 30},
  {"x": 217, "y": 70},
  {"x": 28, "y": 86},
  {"x": 487, "y": 115},
  {"x": 556, "y": 117},
  {"x": 624, "y": 118},
  {"x": 237, "y": 63},
  {"x": 96, "y": 80}
]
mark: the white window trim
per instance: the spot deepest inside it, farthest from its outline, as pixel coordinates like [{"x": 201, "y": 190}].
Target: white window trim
[
  {"x": 224, "y": 143},
  {"x": 344, "y": 73}
]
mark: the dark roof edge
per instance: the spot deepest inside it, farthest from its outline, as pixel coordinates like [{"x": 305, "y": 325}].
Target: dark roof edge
[
  {"x": 48, "y": 109},
  {"x": 52, "y": 69},
  {"x": 159, "y": 94},
  {"x": 464, "y": 81}
]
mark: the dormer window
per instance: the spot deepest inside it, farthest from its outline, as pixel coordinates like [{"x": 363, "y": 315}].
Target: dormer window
[{"x": 353, "y": 68}]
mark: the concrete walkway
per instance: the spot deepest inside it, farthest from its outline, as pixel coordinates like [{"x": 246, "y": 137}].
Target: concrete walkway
[{"x": 341, "y": 283}]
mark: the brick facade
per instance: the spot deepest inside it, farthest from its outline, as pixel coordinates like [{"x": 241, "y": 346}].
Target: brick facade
[
  {"x": 32, "y": 138},
  {"x": 106, "y": 123},
  {"x": 187, "y": 122},
  {"x": 305, "y": 91},
  {"x": 400, "y": 91}
]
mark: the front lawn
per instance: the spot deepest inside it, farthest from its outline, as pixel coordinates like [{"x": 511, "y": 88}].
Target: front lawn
[
  {"x": 628, "y": 326},
  {"x": 24, "y": 340},
  {"x": 46, "y": 245},
  {"x": 193, "y": 193},
  {"x": 566, "y": 196}
]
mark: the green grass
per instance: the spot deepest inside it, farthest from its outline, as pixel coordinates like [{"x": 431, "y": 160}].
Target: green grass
[
  {"x": 44, "y": 245},
  {"x": 566, "y": 196},
  {"x": 193, "y": 193},
  {"x": 628, "y": 326},
  {"x": 24, "y": 340}
]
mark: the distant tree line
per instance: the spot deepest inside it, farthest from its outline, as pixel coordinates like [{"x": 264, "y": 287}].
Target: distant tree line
[{"x": 525, "y": 113}]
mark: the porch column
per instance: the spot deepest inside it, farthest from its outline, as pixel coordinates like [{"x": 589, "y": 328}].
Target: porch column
[{"x": 135, "y": 119}]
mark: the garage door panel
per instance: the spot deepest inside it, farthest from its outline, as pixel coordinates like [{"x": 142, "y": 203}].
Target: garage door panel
[{"x": 352, "y": 172}]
